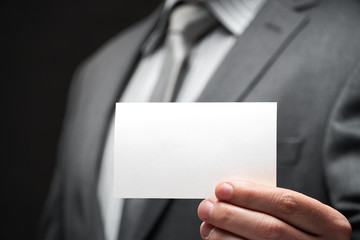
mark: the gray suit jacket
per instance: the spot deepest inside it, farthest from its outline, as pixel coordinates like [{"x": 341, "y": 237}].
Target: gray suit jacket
[{"x": 300, "y": 54}]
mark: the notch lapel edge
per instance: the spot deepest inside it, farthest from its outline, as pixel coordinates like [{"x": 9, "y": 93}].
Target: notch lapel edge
[{"x": 251, "y": 56}]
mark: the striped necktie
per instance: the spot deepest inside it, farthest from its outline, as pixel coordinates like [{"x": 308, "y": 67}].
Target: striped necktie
[{"x": 188, "y": 23}]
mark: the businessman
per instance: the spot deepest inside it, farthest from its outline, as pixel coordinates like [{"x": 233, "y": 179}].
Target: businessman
[{"x": 303, "y": 54}]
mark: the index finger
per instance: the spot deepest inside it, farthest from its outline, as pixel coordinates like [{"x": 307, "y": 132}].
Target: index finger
[{"x": 298, "y": 210}]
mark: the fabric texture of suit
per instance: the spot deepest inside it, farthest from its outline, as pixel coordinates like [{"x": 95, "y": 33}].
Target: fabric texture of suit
[{"x": 303, "y": 54}]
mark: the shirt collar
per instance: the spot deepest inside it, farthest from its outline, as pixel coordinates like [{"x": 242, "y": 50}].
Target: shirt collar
[{"x": 233, "y": 15}]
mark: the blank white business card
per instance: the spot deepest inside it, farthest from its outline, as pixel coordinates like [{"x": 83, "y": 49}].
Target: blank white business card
[{"x": 183, "y": 150}]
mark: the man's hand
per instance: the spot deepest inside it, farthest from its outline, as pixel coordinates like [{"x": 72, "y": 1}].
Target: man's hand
[{"x": 252, "y": 211}]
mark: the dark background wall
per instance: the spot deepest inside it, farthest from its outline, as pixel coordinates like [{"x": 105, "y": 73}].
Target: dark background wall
[{"x": 42, "y": 42}]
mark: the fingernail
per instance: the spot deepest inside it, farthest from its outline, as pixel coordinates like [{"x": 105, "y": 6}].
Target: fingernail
[
  {"x": 206, "y": 230},
  {"x": 224, "y": 191},
  {"x": 205, "y": 209}
]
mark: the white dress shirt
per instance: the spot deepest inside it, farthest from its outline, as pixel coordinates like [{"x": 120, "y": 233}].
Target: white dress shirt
[{"x": 234, "y": 16}]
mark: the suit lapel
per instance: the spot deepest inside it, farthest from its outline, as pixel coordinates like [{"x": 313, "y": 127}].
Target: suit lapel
[
  {"x": 106, "y": 80},
  {"x": 149, "y": 218},
  {"x": 254, "y": 52},
  {"x": 102, "y": 98},
  {"x": 106, "y": 77}
]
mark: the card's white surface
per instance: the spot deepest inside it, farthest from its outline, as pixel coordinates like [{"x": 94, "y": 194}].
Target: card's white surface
[{"x": 182, "y": 150}]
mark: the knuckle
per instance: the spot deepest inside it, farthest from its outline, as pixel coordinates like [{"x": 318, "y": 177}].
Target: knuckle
[
  {"x": 269, "y": 229},
  {"x": 288, "y": 204},
  {"x": 225, "y": 216},
  {"x": 273, "y": 231}
]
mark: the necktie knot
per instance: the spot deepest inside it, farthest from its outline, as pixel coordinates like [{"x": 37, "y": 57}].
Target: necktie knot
[{"x": 192, "y": 21}]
